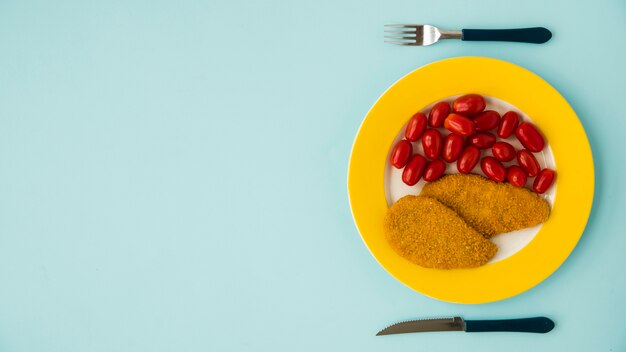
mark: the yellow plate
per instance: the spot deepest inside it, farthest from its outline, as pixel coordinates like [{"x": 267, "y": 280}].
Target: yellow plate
[{"x": 532, "y": 95}]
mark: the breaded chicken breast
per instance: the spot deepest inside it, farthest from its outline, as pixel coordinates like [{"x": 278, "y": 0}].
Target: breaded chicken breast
[
  {"x": 489, "y": 207},
  {"x": 429, "y": 234}
]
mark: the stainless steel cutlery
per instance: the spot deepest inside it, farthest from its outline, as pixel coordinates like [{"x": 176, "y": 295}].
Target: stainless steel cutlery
[
  {"x": 424, "y": 34},
  {"x": 540, "y": 325}
]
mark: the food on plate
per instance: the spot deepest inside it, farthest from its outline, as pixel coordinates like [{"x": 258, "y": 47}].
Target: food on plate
[
  {"x": 528, "y": 162},
  {"x": 414, "y": 169},
  {"x": 516, "y": 176},
  {"x": 401, "y": 153},
  {"x": 489, "y": 207},
  {"x": 508, "y": 124},
  {"x": 434, "y": 170},
  {"x": 468, "y": 159},
  {"x": 429, "y": 234},
  {"x": 486, "y": 120},
  {"x": 544, "y": 180},
  {"x": 482, "y": 140},
  {"x": 452, "y": 147},
  {"x": 448, "y": 226},
  {"x": 432, "y": 143},
  {"x": 438, "y": 114},
  {"x": 493, "y": 169},
  {"x": 469, "y": 104},
  {"x": 459, "y": 124},
  {"x": 416, "y": 127},
  {"x": 503, "y": 151},
  {"x": 530, "y": 137}
]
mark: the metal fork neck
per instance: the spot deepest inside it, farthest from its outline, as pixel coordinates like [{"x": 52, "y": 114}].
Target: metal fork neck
[{"x": 450, "y": 34}]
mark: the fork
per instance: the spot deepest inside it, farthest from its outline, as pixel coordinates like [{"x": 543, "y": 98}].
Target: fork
[{"x": 424, "y": 34}]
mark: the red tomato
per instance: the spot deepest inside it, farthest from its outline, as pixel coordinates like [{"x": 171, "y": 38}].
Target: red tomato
[
  {"x": 432, "y": 142},
  {"x": 438, "y": 113},
  {"x": 469, "y": 104},
  {"x": 486, "y": 120},
  {"x": 516, "y": 176},
  {"x": 434, "y": 170},
  {"x": 483, "y": 140},
  {"x": 527, "y": 161},
  {"x": 530, "y": 137},
  {"x": 508, "y": 124},
  {"x": 503, "y": 151},
  {"x": 452, "y": 147},
  {"x": 459, "y": 124},
  {"x": 401, "y": 153},
  {"x": 493, "y": 168},
  {"x": 414, "y": 170},
  {"x": 544, "y": 180},
  {"x": 468, "y": 160},
  {"x": 415, "y": 127}
]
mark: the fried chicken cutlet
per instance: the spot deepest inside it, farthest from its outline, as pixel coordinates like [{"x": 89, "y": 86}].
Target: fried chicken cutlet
[
  {"x": 489, "y": 207},
  {"x": 429, "y": 234}
]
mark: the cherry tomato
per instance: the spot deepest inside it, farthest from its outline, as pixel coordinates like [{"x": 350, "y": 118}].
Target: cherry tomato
[
  {"x": 493, "y": 168},
  {"x": 544, "y": 180},
  {"x": 468, "y": 160},
  {"x": 401, "y": 153},
  {"x": 527, "y": 161},
  {"x": 482, "y": 140},
  {"x": 459, "y": 124},
  {"x": 415, "y": 127},
  {"x": 503, "y": 151},
  {"x": 434, "y": 170},
  {"x": 438, "y": 113},
  {"x": 452, "y": 147},
  {"x": 432, "y": 143},
  {"x": 486, "y": 120},
  {"x": 530, "y": 137},
  {"x": 508, "y": 124},
  {"x": 469, "y": 104},
  {"x": 414, "y": 169},
  {"x": 516, "y": 176}
]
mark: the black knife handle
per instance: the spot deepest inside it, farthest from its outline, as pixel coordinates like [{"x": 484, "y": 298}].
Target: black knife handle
[
  {"x": 538, "y": 324},
  {"x": 536, "y": 35}
]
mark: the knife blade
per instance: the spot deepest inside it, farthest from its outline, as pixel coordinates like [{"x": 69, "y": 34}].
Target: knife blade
[{"x": 540, "y": 325}]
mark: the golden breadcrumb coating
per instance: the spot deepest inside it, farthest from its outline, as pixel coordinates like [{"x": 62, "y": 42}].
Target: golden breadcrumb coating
[
  {"x": 489, "y": 207},
  {"x": 427, "y": 233}
]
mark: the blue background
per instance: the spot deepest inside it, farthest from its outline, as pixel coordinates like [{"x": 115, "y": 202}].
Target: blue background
[{"x": 173, "y": 174}]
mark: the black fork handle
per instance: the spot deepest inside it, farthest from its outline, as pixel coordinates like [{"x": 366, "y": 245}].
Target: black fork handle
[
  {"x": 538, "y": 325},
  {"x": 536, "y": 35}
]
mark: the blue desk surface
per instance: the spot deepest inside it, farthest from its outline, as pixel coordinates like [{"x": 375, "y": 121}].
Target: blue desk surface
[{"x": 173, "y": 174}]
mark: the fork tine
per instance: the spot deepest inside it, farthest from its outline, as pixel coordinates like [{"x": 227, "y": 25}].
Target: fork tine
[
  {"x": 402, "y": 43},
  {"x": 400, "y": 37},
  {"x": 401, "y": 32},
  {"x": 403, "y": 25}
]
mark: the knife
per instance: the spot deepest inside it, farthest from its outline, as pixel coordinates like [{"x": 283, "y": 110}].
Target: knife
[{"x": 537, "y": 324}]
